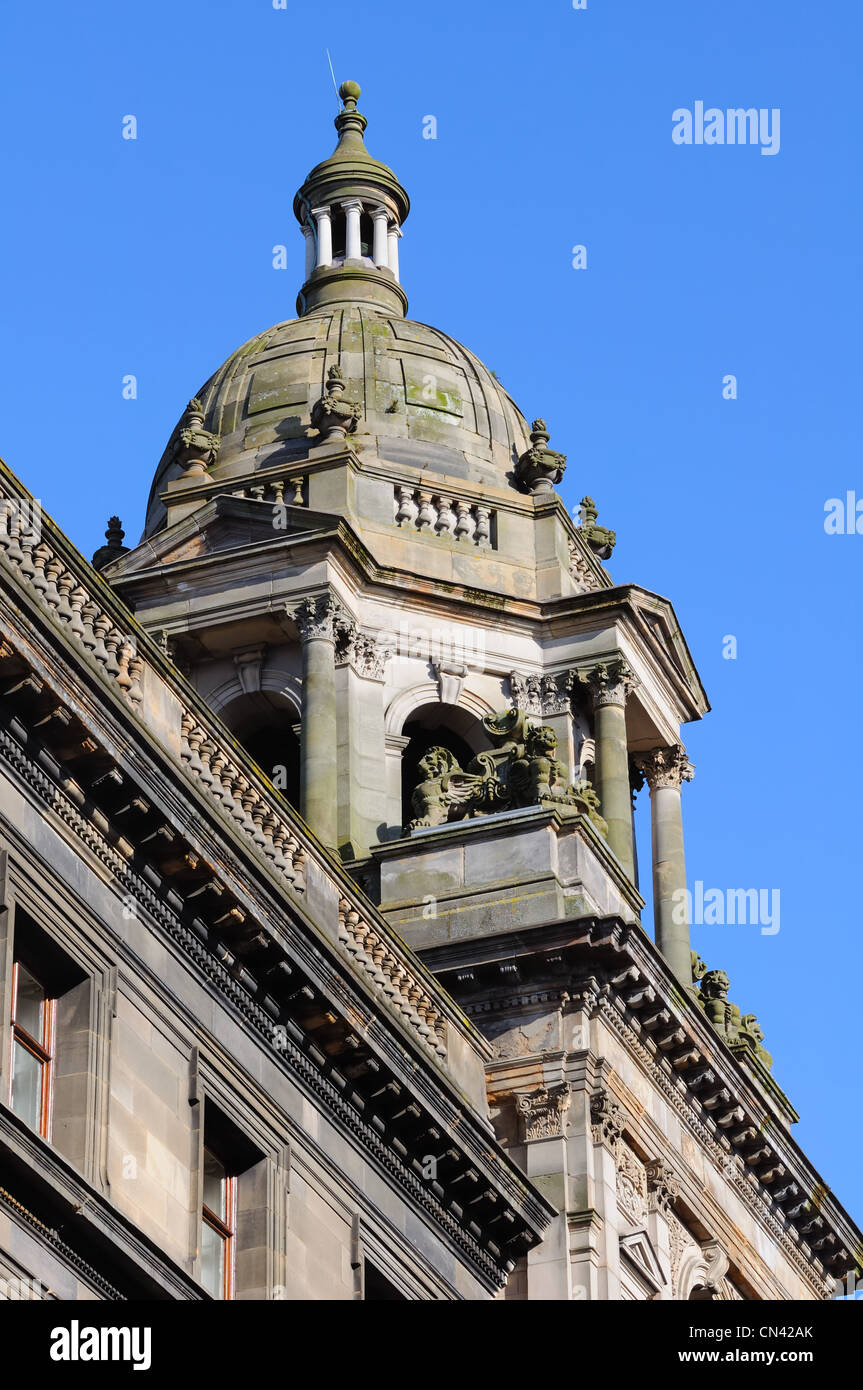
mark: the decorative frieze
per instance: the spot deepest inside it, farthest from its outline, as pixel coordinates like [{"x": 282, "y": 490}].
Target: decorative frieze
[
  {"x": 442, "y": 514},
  {"x": 542, "y": 695},
  {"x": 543, "y": 1112}
]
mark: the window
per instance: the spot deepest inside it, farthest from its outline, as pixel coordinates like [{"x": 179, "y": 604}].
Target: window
[
  {"x": 377, "y": 1287},
  {"x": 234, "y": 1206},
  {"x": 31, "y": 1072},
  {"x": 218, "y": 1227}
]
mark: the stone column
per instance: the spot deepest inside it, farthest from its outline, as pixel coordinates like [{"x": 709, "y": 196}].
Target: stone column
[
  {"x": 325, "y": 236},
  {"x": 361, "y": 661},
  {"x": 393, "y": 247},
  {"x": 309, "y": 235},
  {"x": 395, "y": 746},
  {"x": 665, "y": 770},
  {"x": 610, "y": 682},
  {"x": 353, "y": 249},
  {"x": 318, "y": 620},
  {"x": 381, "y": 251}
]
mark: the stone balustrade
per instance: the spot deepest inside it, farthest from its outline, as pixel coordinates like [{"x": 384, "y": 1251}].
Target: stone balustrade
[
  {"x": 66, "y": 600},
  {"x": 392, "y": 975},
  {"x": 439, "y": 514},
  {"x": 257, "y": 817}
]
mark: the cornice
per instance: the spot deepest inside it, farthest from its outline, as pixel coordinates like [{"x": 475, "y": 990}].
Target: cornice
[{"x": 611, "y": 966}]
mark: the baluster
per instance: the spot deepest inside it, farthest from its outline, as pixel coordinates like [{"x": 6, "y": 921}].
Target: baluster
[
  {"x": 406, "y": 509},
  {"x": 101, "y": 628},
  {"x": 112, "y": 642},
  {"x": 445, "y": 524},
  {"x": 41, "y": 556},
  {"x": 464, "y": 526},
  {"x": 53, "y": 570},
  {"x": 65, "y": 584},
  {"x": 135, "y": 692},
  {"x": 426, "y": 516},
  {"x": 77, "y": 599}
]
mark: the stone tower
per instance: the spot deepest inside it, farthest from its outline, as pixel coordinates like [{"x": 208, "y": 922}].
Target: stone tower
[{"x": 355, "y": 551}]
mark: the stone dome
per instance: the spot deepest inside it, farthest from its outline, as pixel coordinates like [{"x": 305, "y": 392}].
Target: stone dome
[{"x": 425, "y": 400}]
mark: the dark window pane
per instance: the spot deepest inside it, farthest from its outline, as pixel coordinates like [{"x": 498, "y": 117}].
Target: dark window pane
[
  {"x": 27, "y": 1085},
  {"x": 29, "y": 1004},
  {"x": 215, "y": 1184}
]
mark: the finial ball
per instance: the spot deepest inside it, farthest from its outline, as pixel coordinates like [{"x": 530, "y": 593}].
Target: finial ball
[{"x": 350, "y": 91}]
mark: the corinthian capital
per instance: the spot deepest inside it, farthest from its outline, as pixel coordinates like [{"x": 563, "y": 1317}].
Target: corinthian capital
[
  {"x": 543, "y": 1111},
  {"x": 662, "y": 1185},
  {"x": 322, "y": 617},
  {"x": 665, "y": 767},
  {"x": 611, "y": 682}
]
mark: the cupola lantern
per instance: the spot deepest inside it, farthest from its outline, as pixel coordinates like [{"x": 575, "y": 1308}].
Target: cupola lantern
[{"x": 351, "y": 209}]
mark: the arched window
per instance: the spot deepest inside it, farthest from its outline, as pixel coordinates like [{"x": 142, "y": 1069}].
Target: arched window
[
  {"x": 437, "y": 725},
  {"x": 265, "y": 724}
]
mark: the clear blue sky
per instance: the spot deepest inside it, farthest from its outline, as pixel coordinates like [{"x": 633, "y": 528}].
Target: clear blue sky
[{"x": 153, "y": 257}]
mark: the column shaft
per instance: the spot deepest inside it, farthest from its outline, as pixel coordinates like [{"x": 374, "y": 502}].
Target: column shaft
[
  {"x": 612, "y": 770},
  {"x": 353, "y": 248},
  {"x": 671, "y": 919},
  {"x": 380, "y": 251},
  {"x": 393, "y": 244},
  {"x": 318, "y": 776},
  {"x": 310, "y": 250},
  {"x": 325, "y": 236}
]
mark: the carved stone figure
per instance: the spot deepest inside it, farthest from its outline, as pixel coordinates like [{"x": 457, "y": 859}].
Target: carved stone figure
[
  {"x": 752, "y": 1033},
  {"x": 713, "y": 996},
  {"x": 740, "y": 1032},
  {"x": 446, "y": 793},
  {"x": 520, "y": 770}
]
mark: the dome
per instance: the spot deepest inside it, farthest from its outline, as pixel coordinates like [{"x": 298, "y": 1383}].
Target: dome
[{"x": 425, "y": 400}]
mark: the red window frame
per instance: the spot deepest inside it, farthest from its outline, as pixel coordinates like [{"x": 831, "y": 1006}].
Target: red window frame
[
  {"x": 41, "y": 1048},
  {"x": 226, "y": 1228}
]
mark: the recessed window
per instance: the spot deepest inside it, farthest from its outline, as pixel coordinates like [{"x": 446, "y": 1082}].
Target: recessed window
[
  {"x": 378, "y": 1288},
  {"x": 218, "y": 1227},
  {"x": 31, "y": 1070}
]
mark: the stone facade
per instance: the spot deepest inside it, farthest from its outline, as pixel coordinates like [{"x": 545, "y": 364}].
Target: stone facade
[{"x": 317, "y": 816}]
